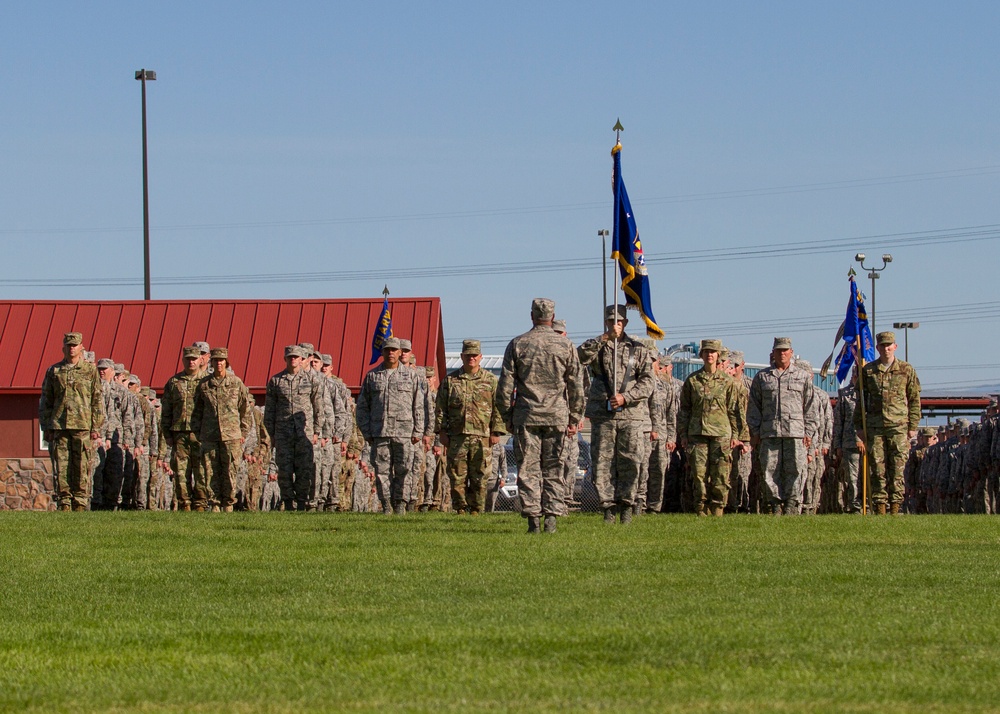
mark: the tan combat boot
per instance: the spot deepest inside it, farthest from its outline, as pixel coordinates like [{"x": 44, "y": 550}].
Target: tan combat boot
[
  {"x": 879, "y": 509},
  {"x": 894, "y": 509},
  {"x": 701, "y": 510}
]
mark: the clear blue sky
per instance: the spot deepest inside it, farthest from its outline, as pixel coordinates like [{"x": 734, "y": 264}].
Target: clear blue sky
[{"x": 373, "y": 139}]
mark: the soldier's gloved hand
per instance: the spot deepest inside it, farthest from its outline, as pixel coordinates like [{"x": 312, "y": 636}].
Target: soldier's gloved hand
[{"x": 107, "y": 443}]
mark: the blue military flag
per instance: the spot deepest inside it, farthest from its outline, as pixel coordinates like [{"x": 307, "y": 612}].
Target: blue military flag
[
  {"x": 854, "y": 328},
  {"x": 383, "y": 330},
  {"x": 627, "y": 250}
]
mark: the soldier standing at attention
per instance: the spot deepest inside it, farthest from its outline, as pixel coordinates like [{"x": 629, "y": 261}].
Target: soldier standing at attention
[
  {"x": 390, "y": 413},
  {"x": 222, "y": 421},
  {"x": 117, "y": 434},
  {"x": 739, "y": 476},
  {"x": 293, "y": 416},
  {"x": 618, "y": 409},
  {"x": 845, "y": 444},
  {"x": 780, "y": 413},
  {"x": 469, "y": 424},
  {"x": 541, "y": 401},
  {"x": 892, "y": 414},
  {"x": 175, "y": 424},
  {"x": 710, "y": 427},
  {"x": 71, "y": 414},
  {"x": 571, "y": 444}
]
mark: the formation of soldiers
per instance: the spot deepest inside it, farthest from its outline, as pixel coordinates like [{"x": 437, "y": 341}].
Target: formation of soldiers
[{"x": 718, "y": 443}]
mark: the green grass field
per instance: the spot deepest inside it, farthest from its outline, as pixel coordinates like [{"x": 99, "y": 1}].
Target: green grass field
[{"x": 299, "y": 612}]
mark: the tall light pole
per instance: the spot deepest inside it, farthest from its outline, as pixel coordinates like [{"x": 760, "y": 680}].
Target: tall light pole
[
  {"x": 906, "y": 327},
  {"x": 873, "y": 274},
  {"x": 142, "y": 75}
]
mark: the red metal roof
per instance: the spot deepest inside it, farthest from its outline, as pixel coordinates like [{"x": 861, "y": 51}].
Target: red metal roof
[{"x": 147, "y": 337}]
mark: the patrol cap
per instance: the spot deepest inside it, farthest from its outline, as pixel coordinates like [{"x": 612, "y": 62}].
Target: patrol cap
[
  {"x": 203, "y": 347},
  {"x": 105, "y": 363},
  {"x": 611, "y": 310},
  {"x": 471, "y": 347},
  {"x": 391, "y": 343},
  {"x": 119, "y": 368},
  {"x": 220, "y": 353},
  {"x": 293, "y": 351},
  {"x": 126, "y": 373},
  {"x": 962, "y": 422},
  {"x": 543, "y": 308},
  {"x": 782, "y": 343},
  {"x": 405, "y": 345},
  {"x": 559, "y": 325},
  {"x": 928, "y": 431},
  {"x": 429, "y": 371},
  {"x": 723, "y": 353},
  {"x": 648, "y": 343},
  {"x": 308, "y": 347},
  {"x": 665, "y": 360},
  {"x": 804, "y": 365},
  {"x": 89, "y": 356},
  {"x": 191, "y": 351},
  {"x": 885, "y": 338},
  {"x": 73, "y": 338},
  {"x": 943, "y": 429},
  {"x": 710, "y": 345},
  {"x": 965, "y": 431},
  {"x": 146, "y": 392},
  {"x": 326, "y": 359},
  {"x": 736, "y": 357},
  {"x": 132, "y": 379}
]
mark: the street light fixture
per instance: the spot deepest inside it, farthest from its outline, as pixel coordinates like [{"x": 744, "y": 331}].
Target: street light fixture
[
  {"x": 906, "y": 327},
  {"x": 142, "y": 75},
  {"x": 873, "y": 274}
]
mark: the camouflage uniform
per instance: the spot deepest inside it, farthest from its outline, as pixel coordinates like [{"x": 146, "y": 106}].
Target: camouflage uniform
[
  {"x": 892, "y": 408},
  {"x": 343, "y": 427},
  {"x": 665, "y": 403},
  {"x": 845, "y": 443},
  {"x": 222, "y": 419},
  {"x": 467, "y": 414},
  {"x": 70, "y": 409},
  {"x": 617, "y": 436},
  {"x": 294, "y": 416},
  {"x": 175, "y": 423},
  {"x": 780, "y": 413},
  {"x": 710, "y": 417},
  {"x": 109, "y": 464},
  {"x": 739, "y": 474},
  {"x": 390, "y": 414},
  {"x": 539, "y": 396},
  {"x": 150, "y": 442},
  {"x": 261, "y": 457}
]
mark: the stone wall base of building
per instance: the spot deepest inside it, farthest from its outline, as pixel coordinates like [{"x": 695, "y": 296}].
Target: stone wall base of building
[{"x": 26, "y": 485}]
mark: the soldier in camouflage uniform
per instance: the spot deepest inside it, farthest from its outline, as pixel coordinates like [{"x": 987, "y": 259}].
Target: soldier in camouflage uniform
[
  {"x": 294, "y": 415},
  {"x": 845, "y": 445},
  {"x": 147, "y": 491},
  {"x": 540, "y": 399},
  {"x": 342, "y": 427},
  {"x": 780, "y": 414},
  {"x": 222, "y": 420},
  {"x": 390, "y": 413},
  {"x": 147, "y": 447},
  {"x": 435, "y": 473},
  {"x": 257, "y": 461},
  {"x": 109, "y": 464},
  {"x": 664, "y": 441},
  {"x": 820, "y": 439},
  {"x": 739, "y": 475},
  {"x": 71, "y": 415},
  {"x": 312, "y": 365},
  {"x": 710, "y": 426},
  {"x": 926, "y": 439},
  {"x": 469, "y": 425},
  {"x": 892, "y": 406},
  {"x": 618, "y": 407},
  {"x": 120, "y": 494},
  {"x": 175, "y": 423},
  {"x": 571, "y": 443},
  {"x": 414, "y": 484}
]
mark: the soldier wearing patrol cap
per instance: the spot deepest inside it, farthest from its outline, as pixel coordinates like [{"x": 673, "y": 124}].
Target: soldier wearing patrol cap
[
  {"x": 175, "y": 425},
  {"x": 71, "y": 415},
  {"x": 469, "y": 424},
  {"x": 710, "y": 426},
  {"x": 892, "y": 414},
  {"x": 390, "y": 412},
  {"x": 222, "y": 421},
  {"x": 621, "y": 371},
  {"x": 294, "y": 417},
  {"x": 781, "y": 414}
]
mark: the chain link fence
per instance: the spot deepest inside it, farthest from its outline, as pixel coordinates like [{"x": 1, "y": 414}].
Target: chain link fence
[{"x": 584, "y": 496}]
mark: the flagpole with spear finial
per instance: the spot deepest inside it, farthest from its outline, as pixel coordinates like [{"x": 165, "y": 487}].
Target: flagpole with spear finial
[{"x": 617, "y": 129}]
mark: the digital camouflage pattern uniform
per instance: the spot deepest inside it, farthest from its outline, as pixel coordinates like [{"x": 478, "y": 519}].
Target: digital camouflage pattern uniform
[
  {"x": 175, "y": 422},
  {"x": 109, "y": 465},
  {"x": 71, "y": 407},
  {"x": 467, "y": 413},
  {"x": 617, "y": 438},
  {"x": 709, "y": 418},
  {"x": 845, "y": 444},
  {"x": 222, "y": 419},
  {"x": 542, "y": 369},
  {"x": 390, "y": 414},
  {"x": 294, "y": 415},
  {"x": 892, "y": 408}
]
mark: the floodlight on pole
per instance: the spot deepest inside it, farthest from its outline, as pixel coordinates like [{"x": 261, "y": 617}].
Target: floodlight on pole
[
  {"x": 873, "y": 273},
  {"x": 906, "y": 327}
]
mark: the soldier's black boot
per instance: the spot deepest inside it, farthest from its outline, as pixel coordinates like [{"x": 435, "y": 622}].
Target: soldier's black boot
[
  {"x": 534, "y": 525},
  {"x": 550, "y": 524},
  {"x": 609, "y": 515},
  {"x": 626, "y": 514},
  {"x": 401, "y": 508}
]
